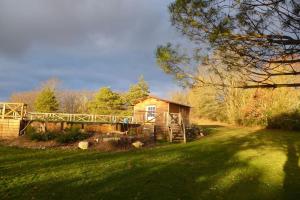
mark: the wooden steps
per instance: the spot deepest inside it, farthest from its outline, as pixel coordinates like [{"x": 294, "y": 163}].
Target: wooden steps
[{"x": 177, "y": 133}]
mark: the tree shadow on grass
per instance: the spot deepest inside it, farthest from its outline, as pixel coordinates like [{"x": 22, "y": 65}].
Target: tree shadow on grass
[
  {"x": 291, "y": 184},
  {"x": 206, "y": 169},
  {"x": 183, "y": 177}
]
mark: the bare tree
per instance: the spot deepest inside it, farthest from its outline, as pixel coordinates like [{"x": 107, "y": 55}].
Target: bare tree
[
  {"x": 27, "y": 97},
  {"x": 73, "y": 101}
]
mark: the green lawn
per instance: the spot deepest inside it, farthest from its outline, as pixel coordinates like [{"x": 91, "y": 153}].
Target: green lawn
[{"x": 230, "y": 163}]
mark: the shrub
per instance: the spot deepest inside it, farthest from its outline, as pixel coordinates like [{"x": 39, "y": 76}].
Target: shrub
[
  {"x": 29, "y": 130},
  {"x": 193, "y": 132},
  {"x": 37, "y": 136},
  {"x": 69, "y": 136},
  {"x": 122, "y": 143},
  {"x": 131, "y": 132},
  {"x": 72, "y": 135},
  {"x": 287, "y": 121}
]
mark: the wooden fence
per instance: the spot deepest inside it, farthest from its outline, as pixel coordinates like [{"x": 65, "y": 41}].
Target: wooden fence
[{"x": 66, "y": 117}]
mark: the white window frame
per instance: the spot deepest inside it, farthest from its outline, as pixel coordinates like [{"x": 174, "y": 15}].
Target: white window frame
[{"x": 150, "y": 113}]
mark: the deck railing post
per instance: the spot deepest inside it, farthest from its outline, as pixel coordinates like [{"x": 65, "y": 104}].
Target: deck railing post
[
  {"x": 3, "y": 111},
  {"x": 22, "y": 111},
  {"x": 167, "y": 118},
  {"x": 183, "y": 127}
]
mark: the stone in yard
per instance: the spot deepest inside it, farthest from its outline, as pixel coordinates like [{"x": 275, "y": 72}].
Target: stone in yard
[
  {"x": 82, "y": 130},
  {"x": 110, "y": 139},
  {"x": 137, "y": 144},
  {"x": 83, "y": 145}
]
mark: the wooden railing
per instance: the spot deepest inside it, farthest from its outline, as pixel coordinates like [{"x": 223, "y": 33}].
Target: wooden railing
[
  {"x": 172, "y": 118},
  {"x": 18, "y": 111},
  {"x": 66, "y": 117},
  {"x": 12, "y": 110}
]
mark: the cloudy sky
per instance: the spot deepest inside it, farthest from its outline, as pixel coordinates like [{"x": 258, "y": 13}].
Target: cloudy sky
[{"x": 86, "y": 44}]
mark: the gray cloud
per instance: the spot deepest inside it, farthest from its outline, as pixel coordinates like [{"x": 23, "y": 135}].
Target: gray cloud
[
  {"x": 85, "y": 43},
  {"x": 105, "y": 23}
]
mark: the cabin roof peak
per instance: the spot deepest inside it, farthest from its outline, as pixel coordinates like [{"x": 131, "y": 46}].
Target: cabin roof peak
[{"x": 165, "y": 100}]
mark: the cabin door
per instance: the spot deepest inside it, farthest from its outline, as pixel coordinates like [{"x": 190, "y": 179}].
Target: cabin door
[{"x": 150, "y": 113}]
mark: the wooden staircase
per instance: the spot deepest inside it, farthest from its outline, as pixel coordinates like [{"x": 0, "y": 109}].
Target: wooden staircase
[{"x": 177, "y": 132}]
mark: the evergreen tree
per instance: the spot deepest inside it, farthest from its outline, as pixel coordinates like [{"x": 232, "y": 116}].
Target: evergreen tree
[
  {"x": 46, "y": 101},
  {"x": 138, "y": 91},
  {"x": 106, "y": 102}
]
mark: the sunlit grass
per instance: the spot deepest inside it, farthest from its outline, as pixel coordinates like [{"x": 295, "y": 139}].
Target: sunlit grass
[{"x": 230, "y": 163}]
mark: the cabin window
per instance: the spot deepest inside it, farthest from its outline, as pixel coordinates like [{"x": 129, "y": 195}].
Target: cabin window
[{"x": 150, "y": 113}]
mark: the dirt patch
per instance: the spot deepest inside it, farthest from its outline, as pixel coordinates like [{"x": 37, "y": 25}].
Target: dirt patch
[
  {"x": 96, "y": 142},
  {"x": 121, "y": 143},
  {"x": 25, "y": 142}
]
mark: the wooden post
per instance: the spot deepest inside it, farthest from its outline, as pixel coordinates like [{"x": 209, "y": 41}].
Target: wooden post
[
  {"x": 183, "y": 127},
  {"x": 43, "y": 127},
  {"x": 179, "y": 118},
  {"x": 167, "y": 118},
  {"x": 65, "y": 125},
  {"x": 154, "y": 133},
  {"x": 61, "y": 126},
  {"x": 22, "y": 111},
  {"x": 3, "y": 111},
  {"x": 184, "y": 134}
]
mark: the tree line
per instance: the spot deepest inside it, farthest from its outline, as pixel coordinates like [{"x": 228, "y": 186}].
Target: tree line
[
  {"x": 243, "y": 64},
  {"x": 50, "y": 98},
  {"x": 271, "y": 108}
]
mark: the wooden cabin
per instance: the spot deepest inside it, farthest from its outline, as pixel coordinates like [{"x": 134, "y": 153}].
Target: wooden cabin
[{"x": 162, "y": 114}]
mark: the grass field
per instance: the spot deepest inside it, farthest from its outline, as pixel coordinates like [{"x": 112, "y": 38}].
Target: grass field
[{"x": 230, "y": 163}]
